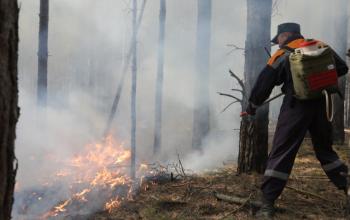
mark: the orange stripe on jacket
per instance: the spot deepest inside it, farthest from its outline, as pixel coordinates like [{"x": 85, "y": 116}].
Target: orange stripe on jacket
[
  {"x": 275, "y": 56},
  {"x": 293, "y": 44}
]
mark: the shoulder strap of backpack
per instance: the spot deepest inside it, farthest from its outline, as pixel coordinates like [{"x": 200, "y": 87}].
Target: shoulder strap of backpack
[{"x": 288, "y": 49}]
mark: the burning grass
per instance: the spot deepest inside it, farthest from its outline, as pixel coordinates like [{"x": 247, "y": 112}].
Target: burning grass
[
  {"x": 308, "y": 195},
  {"x": 99, "y": 184},
  {"x": 96, "y": 179}
]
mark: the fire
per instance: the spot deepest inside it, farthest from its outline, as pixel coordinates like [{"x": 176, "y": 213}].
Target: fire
[
  {"x": 61, "y": 208},
  {"x": 100, "y": 171},
  {"x": 112, "y": 204},
  {"x": 80, "y": 195}
]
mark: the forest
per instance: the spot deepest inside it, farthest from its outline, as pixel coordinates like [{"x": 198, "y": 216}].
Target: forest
[{"x": 164, "y": 109}]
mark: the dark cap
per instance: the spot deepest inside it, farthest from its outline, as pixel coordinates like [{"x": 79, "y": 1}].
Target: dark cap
[{"x": 286, "y": 27}]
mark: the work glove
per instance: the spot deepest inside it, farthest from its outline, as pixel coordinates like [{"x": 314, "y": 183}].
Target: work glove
[{"x": 250, "y": 111}]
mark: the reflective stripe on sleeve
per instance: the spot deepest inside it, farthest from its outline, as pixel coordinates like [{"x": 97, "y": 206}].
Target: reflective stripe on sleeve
[{"x": 276, "y": 174}]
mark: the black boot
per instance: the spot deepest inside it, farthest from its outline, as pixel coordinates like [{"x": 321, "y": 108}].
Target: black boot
[{"x": 267, "y": 210}]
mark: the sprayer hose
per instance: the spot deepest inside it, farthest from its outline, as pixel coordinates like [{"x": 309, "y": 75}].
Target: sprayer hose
[{"x": 329, "y": 111}]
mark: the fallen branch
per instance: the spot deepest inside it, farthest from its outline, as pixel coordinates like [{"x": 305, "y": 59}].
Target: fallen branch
[
  {"x": 303, "y": 192},
  {"x": 238, "y": 200},
  {"x": 238, "y": 208}
]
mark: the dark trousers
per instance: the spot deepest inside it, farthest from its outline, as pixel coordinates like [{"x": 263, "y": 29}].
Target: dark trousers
[{"x": 295, "y": 119}]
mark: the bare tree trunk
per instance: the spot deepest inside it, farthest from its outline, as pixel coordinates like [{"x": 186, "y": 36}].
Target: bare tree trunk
[
  {"x": 201, "y": 112},
  {"x": 253, "y": 144},
  {"x": 43, "y": 53},
  {"x": 122, "y": 80},
  {"x": 133, "y": 90},
  {"x": 9, "y": 111},
  {"x": 160, "y": 76},
  {"x": 340, "y": 45}
]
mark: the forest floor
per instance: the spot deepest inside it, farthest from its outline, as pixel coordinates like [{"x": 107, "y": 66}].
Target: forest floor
[{"x": 308, "y": 195}]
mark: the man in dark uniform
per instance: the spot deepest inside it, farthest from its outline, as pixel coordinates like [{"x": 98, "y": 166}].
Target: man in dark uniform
[{"x": 295, "y": 119}]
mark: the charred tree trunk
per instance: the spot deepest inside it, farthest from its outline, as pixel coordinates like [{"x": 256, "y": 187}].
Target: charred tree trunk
[
  {"x": 201, "y": 79},
  {"x": 9, "y": 111},
  {"x": 160, "y": 76},
  {"x": 340, "y": 44},
  {"x": 133, "y": 90},
  {"x": 253, "y": 145},
  {"x": 43, "y": 53}
]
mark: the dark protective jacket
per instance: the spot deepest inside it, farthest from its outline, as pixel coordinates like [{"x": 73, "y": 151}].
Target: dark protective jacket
[
  {"x": 295, "y": 119},
  {"x": 277, "y": 72}
]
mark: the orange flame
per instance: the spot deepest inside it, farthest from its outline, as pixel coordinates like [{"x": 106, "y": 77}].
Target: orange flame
[{"x": 102, "y": 166}]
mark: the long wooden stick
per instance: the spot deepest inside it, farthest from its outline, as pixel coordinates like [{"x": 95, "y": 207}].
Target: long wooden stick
[
  {"x": 300, "y": 191},
  {"x": 237, "y": 200}
]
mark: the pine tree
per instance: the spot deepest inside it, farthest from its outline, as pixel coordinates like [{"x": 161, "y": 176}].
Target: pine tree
[
  {"x": 160, "y": 76},
  {"x": 253, "y": 145}
]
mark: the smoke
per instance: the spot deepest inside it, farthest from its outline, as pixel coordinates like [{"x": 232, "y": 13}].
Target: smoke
[{"x": 88, "y": 41}]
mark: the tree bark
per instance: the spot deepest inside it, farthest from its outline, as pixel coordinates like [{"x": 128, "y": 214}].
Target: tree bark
[
  {"x": 133, "y": 90},
  {"x": 160, "y": 76},
  {"x": 253, "y": 144},
  {"x": 43, "y": 53},
  {"x": 201, "y": 112},
  {"x": 340, "y": 46},
  {"x": 9, "y": 111}
]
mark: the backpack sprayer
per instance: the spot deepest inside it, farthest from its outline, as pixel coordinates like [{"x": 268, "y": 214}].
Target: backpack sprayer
[{"x": 314, "y": 73}]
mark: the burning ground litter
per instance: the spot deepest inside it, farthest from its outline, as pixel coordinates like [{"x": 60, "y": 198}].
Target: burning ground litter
[
  {"x": 308, "y": 195},
  {"x": 93, "y": 180},
  {"x": 101, "y": 189}
]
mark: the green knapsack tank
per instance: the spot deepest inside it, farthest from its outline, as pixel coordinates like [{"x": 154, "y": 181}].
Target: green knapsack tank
[{"x": 312, "y": 74}]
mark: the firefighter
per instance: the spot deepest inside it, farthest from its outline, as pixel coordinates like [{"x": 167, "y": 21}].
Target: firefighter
[{"x": 295, "y": 119}]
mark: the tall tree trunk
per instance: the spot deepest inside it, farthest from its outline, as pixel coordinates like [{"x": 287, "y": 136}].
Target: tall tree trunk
[
  {"x": 9, "y": 111},
  {"x": 43, "y": 53},
  {"x": 160, "y": 76},
  {"x": 340, "y": 13},
  {"x": 122, "y": 79},
  {"x": 201, "y": 88},
  {"x": 253, "y": 145},
  {"x": 133, "y": 90}
]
